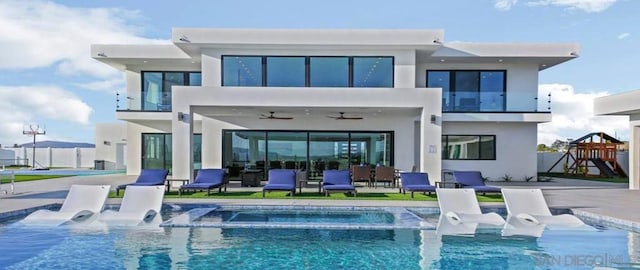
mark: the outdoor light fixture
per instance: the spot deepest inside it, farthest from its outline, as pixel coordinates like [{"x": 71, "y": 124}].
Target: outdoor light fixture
[
  {"x": 102, "y": 54},
  {"x": 433, "y": 119},
  {"x": 181, "y": 116},
  {"x": 184, "y": 38}
]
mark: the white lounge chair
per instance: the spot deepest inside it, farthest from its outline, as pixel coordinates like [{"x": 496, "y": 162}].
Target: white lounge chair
[
  {"x": 460, "y": 212},
  {"x": 140, "y": 205},
  {"x": 529, "y": 207},
  {"x": 82, "y": 204}
]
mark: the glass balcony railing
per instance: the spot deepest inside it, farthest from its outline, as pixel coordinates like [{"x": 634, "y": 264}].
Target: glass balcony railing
[
  {"x": 148, "y": 101},
  {"x": 495, "y": 102},
  {"x": 155, "y": 101}
]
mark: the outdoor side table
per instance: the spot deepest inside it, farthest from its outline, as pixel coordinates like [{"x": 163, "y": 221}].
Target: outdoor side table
[{"x": 251, "y": 178}]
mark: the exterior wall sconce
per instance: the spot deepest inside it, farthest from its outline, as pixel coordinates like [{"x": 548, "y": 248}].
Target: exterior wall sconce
[
  {"x": 433, "y": 118},
  {"x": 181, "y": 116}
]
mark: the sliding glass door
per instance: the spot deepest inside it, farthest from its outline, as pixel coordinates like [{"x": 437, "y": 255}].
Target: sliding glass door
[
  {"x": 286, "y": 150},
  {"x": 313, "y": 151}
]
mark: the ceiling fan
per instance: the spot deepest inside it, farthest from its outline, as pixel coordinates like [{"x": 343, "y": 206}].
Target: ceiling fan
[
  {"x": 273, "y": 117},
  {"x": 342, "y": 117}
]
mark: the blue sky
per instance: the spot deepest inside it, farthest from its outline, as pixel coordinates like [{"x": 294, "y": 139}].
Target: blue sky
[{"x": 48, "y": 77}]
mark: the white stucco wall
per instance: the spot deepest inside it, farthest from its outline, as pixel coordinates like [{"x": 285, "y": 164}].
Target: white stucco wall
[
  {"x": 415, "y": 103},
  {"x": 109, "y": 138},
  {"x": 515, "y": 149},
  {"x": 134, "y": 142},
  {"x": 52, "y": 157}
]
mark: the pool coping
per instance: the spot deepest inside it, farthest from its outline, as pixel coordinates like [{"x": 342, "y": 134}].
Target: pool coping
[{"x": 587, "y": 216}]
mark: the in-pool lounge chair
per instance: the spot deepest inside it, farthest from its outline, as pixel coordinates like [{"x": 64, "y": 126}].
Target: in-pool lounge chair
[
  {"x": 337, "y": 181},
  {"x": 140, "y": 205},
  {"x": 460, "y": 212},
  {"x": 82, "y": 204},
  {"x": 281, "y": 180},
  {"x": 147, "y": 177},
  {"x": 529, "y": 207},
  {"x": 416, "y": 182},
  {"x": 206, "y": 179},
  {"x": 473, "y": 179}
]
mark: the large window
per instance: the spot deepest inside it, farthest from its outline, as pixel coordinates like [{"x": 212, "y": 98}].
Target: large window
[
  {"x": 284, "y": 71},
  {"x": 313, "y": 152},
  {"x": 156, "y": 87},
  {"x": 156, "y": 151},
  {"x": 307, "y": 71},
  {"x": 329, "y": 72},
  {"x": 470, "y": 91},
  {"x": 373, "y": 72},
  {"x": 469, "y": 147},
  {"x": 242, "y": 71}
]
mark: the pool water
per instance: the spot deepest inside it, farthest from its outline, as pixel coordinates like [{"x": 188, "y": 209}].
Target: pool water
[{"x": 250, "y": 248}]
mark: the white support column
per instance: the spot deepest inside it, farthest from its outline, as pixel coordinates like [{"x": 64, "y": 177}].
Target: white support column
[
  {"x": 182, "y": 136},
  {"x": 430, "y": 143},
  {"x": 634, "y": 155},
  {"x": 431, "y": 136}
]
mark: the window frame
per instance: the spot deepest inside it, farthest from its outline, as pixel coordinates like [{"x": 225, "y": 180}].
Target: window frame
[
  {"x": 445, "y": 147},
  {"x": 453, "y": 90},
  {"x": 308, "y": 68},
  {"x": 164, "y": 142},
  {"x": 308, "y": 132},
  {"x": 186, "y": 80}
]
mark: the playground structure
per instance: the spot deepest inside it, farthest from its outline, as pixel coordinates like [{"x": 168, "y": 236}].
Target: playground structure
[{"x": 586, "y": 154}]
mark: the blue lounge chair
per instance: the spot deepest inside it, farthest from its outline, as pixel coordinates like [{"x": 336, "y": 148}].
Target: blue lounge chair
[
  {"x": 416, "y": 182},
  {"x": 473, "y": 179},
  {"x": 147, "y": 177},
  {"x": 206, "y": 179},
  {"x": 336, "y": 180},
  {"x": 281, "y": 179}
]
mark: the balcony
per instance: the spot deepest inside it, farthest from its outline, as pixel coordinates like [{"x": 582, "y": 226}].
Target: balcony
[
  {"x": 147, "y": 101},
  {"x": 486, "y": 102}
]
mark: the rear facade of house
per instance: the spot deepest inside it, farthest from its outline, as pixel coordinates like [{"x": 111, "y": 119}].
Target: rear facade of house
[{"x": 326, "y": 99}]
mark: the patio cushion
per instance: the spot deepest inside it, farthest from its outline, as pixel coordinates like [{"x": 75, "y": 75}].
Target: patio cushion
[{"x": 339, "y": 187}]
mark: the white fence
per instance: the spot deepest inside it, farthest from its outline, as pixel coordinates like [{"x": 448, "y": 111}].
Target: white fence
[
  {"x": 49, "y": 157},
  {"x": 547, "y": 159}
]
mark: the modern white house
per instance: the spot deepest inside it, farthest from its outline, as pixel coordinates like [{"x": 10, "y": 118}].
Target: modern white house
[
  {"x": 325, "y": 99},
  {"x": 625, "y": 104}
]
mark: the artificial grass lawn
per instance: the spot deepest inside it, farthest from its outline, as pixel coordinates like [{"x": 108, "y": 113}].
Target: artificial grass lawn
[
  {"x": 314, "y": 195},
  {"x": 600, "y": 179},
  {"x": 24, "y": 177}
]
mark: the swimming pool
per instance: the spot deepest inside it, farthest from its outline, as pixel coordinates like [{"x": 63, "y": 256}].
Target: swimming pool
[{"x": 279, "y": 248}]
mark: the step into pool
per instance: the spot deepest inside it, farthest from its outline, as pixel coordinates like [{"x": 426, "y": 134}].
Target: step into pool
[{"x": 299, "y": 217}]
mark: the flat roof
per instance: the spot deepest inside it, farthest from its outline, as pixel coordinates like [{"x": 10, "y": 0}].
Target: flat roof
[
  {"x": 618, "y": 104},
  {"x": 188, "y": 43}
]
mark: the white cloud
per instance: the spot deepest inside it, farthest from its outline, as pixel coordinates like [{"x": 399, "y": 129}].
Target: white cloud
[
  {"x": 41, "y": 34},
  {"x": 573, "y": 115},
  {"x": 589, "y": 6},
  {"x": 624, "y": 35},
  {"x": 110, "y": 86},
  {"x": 24, "y": 104},
  {"x": 504, "y": 5}
]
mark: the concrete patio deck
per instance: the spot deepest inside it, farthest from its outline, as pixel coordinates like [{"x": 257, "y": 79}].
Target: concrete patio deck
[{"x": 600, "y": 198}]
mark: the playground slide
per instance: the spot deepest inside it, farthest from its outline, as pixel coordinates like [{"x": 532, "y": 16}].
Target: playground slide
[{"x": 603, "y": 167}]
